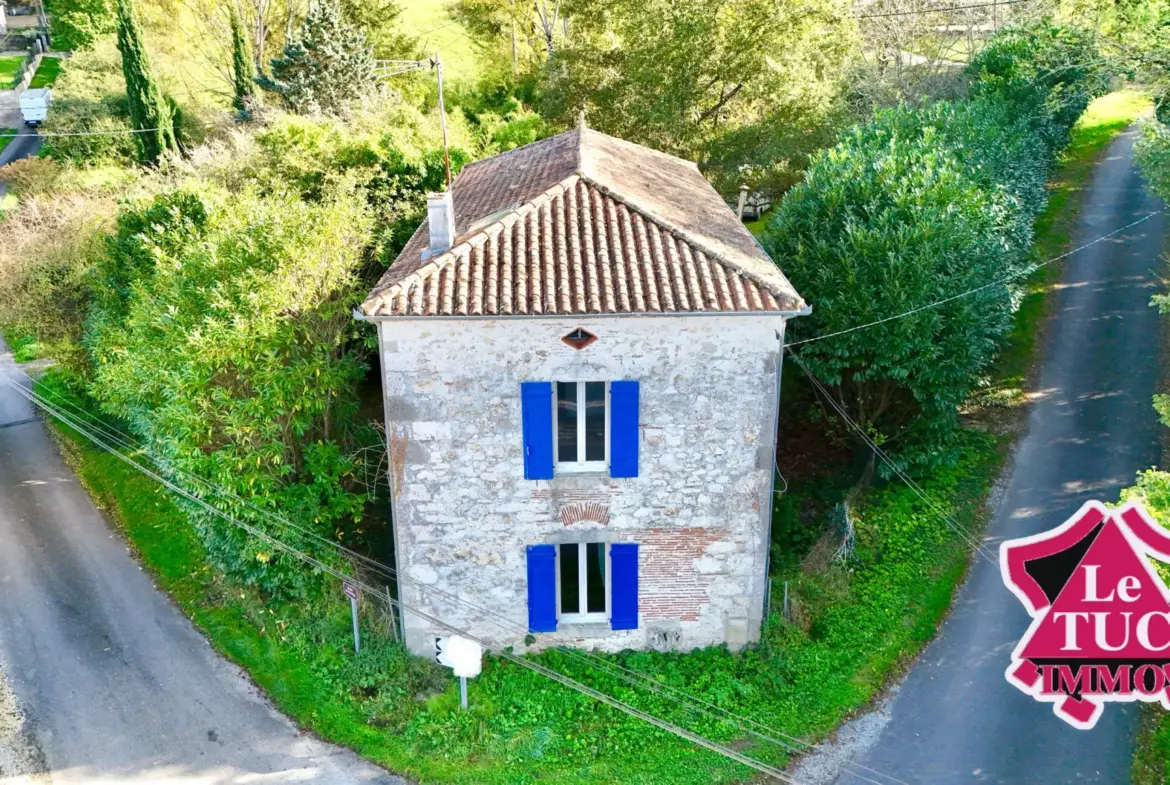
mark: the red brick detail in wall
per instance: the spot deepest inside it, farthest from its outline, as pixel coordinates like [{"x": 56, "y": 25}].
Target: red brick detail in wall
[
  {"x": 558, "y": 497},
  {"x": 584, "y": 511},
  {"x": 669, "y": 587}
]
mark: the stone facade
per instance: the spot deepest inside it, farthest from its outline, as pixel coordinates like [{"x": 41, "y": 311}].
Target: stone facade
[{"x": 699, "y": 508}]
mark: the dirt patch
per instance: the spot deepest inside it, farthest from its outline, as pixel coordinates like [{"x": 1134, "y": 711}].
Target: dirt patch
[{"x": 21, "y": 760}]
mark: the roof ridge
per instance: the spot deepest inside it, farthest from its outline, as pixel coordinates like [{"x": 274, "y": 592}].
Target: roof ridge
[
  {"x": 441, "y": 260},
  {"x": 683, "y": 234},
  {"x": 534, "y": 143}
]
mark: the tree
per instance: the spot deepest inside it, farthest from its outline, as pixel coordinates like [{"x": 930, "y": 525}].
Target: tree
[
  {"x": 78, "y": 23},
  {"x": 886, "y": 222},
  {"x": 679, "y": 75},
  {"x": 327, "y": 68},
  {"x": 243, "y": 70},
  {"x": 150, "y": 113},
  {"x": 222, "y": 331},
  {"x": 378, "y": 21}
]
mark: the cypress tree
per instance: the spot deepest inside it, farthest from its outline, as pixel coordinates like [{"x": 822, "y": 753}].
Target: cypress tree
[
  {"x": 243, "y": 71},
  {"x": 148, "y": 109}
]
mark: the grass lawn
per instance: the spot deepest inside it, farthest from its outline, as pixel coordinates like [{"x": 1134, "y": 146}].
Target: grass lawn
[
  {"x": 853, "y": 626},
  {"x": 9, "y": 71},
  {"x": 758, "y": 226},
  {"x": 47, "y": 72}
]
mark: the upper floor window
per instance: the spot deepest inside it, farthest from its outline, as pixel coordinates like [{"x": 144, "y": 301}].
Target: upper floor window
[{"x": 582, "y": 426}]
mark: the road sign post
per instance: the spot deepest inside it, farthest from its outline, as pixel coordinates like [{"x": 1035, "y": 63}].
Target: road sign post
[{"x": 351, "y": 591}]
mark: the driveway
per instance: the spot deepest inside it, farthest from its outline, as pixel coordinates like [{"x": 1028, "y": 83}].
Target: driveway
[
  {"x": 955, "y": 719},
  {"x": 114, "y": 683}
]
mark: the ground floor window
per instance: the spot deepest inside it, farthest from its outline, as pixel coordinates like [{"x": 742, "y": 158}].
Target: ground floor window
[
  {"x": 583, "y": 581},
  {"x": 573, "y": 582}
]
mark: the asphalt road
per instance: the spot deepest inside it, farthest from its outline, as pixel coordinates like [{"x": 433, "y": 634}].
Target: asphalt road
[
  {"x": 1091, "y": 428},
  {"x": 115, "y": 684},
  {"x": 21, "y": 146}
]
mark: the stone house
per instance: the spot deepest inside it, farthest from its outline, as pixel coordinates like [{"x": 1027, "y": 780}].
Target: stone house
[{"x": 580, "y": 353}]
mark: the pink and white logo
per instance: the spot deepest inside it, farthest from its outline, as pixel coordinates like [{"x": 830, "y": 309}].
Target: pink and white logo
[{"x": 1100, "y": 612}]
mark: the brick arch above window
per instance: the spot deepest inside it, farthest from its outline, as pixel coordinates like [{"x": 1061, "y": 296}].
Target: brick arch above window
[{"x": 579, "y": 512}]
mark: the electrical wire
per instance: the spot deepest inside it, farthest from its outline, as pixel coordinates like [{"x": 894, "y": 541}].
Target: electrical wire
[
  {"x": 948, "y": 9},
  {"x": 116, "y": 132},
  {"x": 962, "y": 531},
  {"x": 333, "y": 571},
  {"x": 998, "y": 282},
  {"x": 634, "y": 678}
]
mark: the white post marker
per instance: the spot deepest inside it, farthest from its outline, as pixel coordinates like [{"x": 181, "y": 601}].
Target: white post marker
[
  {"x": 462, "y": 656},
  {"x": 351, "y": 591}
]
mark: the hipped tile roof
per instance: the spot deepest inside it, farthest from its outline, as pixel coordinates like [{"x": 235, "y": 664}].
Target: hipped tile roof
[{"x": 582, "y": 223}]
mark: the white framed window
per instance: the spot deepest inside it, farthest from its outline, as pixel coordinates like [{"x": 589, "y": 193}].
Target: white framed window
[
  {"x": 583, "y": 582},
  {"x": 581, "y": 426}
]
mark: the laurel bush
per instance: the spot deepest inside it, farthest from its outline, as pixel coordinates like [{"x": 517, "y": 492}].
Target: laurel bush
[{"x": 912, "y": 210}]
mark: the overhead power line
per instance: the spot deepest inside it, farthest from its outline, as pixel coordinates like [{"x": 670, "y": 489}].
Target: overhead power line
[
  {"x": 336, "y": 573},
  {"x": 959, "y": 529},
  {"x": 997, "y": 282},
  {"x": 634, "y": 678},
  {"x": 948, "y": 9}
]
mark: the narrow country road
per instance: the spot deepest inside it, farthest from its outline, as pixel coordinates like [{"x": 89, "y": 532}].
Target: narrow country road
[
  {"x": 1091, "y": 428},
  {"x": 115, "y": 684}
]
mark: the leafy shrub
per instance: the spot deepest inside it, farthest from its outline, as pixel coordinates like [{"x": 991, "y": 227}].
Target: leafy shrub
[
  {"x": 221, "y": 331},
  {"x": 1047, "y": 73},
  {"x": 914, "y": 208},
  {"x": 305, "y": 155},
  {"x": 47, "y": 245}
]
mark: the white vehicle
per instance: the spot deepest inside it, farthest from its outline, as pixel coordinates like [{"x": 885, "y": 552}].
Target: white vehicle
[{"x": 34, "y": 105}]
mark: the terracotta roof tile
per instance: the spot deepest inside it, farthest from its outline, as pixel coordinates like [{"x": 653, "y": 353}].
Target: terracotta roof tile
[{"x": 583, "y": 223}]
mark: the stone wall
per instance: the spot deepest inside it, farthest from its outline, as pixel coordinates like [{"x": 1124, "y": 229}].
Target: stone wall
[{"x": 699, "y": 507}]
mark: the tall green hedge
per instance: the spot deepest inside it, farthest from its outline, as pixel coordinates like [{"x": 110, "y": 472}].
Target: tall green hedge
[
  {"x": 221, "y": 330},
  {"x": 916, "y": 207}
]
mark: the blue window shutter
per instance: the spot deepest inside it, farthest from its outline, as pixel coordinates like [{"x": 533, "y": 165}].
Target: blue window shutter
[
  {"x": 623, "y": 429},
  {"x": 623, "y": 602},
  {"x": 542, "y": 588},
  {"x": 536, "y": 411}
]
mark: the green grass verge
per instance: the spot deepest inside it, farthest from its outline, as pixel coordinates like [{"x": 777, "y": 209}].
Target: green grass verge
[
  {"x": 47, "y": 73},
  {"x": 803, "y": 679},
  {"x": 23, "y": 345},
  {"x": 9, "y": 71},
  {"x": 853, "y": 626},
  {"x": 6, "y": 137}
]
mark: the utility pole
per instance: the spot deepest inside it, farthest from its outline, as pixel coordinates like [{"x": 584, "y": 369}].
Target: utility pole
[{"x": 443, "y": 119}]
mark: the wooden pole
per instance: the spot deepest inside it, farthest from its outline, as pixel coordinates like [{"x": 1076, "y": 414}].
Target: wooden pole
[{"x": 443, "y": 119}]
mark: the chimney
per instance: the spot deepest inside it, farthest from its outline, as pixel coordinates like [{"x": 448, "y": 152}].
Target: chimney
[
  {"x": 743, "y": 192},
  {"x": 440, "y": 222}
]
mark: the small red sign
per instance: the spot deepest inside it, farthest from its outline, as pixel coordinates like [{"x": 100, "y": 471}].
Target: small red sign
[
  {"x": 1100, "y": 612},
  {"x": 351, "y": 590}
]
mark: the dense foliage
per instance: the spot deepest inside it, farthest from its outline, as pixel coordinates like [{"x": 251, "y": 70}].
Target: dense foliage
[
  {"x": 220, "y": 330},
  {"x": 914, "y": 208},
  {"x": 77, "y": 24}
]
